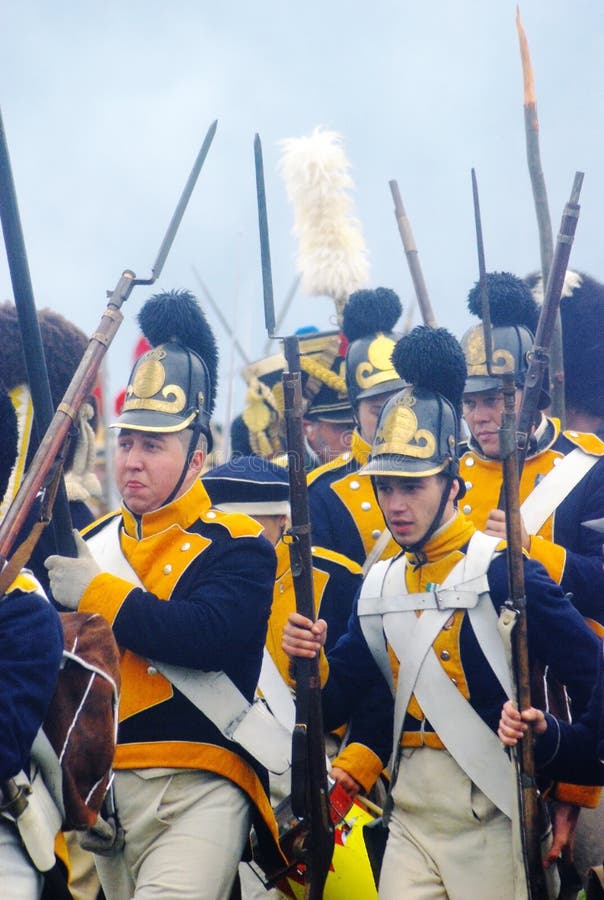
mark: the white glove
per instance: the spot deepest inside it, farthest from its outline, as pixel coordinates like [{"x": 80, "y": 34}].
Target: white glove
[{"x": 70, "y": 576}]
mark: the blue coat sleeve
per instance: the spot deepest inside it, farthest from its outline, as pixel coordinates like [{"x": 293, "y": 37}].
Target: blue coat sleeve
[
  {"x": 357, "y": 692},
  {"x": 557, "y": 633},
  {"x": 583, "y": 574},
  {"x": 31, "y": 646}
]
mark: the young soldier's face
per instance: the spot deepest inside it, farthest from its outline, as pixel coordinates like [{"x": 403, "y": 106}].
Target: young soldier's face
[
  {"x": 409, "y": 505},
  {"x": 147, "y": 468},
  {"x": 482, "y": 412}
]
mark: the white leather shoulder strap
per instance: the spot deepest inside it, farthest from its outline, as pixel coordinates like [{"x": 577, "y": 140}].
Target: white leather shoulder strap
[
  {"x": 249, "y": 724},
  {"x": 555, "y": 487}
]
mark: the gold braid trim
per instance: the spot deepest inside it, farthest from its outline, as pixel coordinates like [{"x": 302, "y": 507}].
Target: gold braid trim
[{"x": 317, "y": 370}]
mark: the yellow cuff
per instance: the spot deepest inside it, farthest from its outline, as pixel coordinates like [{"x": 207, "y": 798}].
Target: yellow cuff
[
  {"x": 105, "y": 595},
  {"x": 361, "y": 763},
  {"x": 551, "y": 556},
  {"x": 578, "y": 794}
]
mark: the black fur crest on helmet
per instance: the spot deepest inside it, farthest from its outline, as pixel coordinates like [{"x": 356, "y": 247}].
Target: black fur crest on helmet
[
  {"x": 369, "y": 312},
  {"x": 511, "y": 301},
  {"x": 176, "y": 316},
  {"x": 432, "y": 358}
]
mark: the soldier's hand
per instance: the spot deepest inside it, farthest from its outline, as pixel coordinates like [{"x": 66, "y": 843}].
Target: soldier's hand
[
  {"x": 350, "y": 784},
  {"x": 303, "y": 637},
  {"x": 513, "y": 724},
  {"x": 495, "y": 526},
  {"x": 70, "y": 576}
]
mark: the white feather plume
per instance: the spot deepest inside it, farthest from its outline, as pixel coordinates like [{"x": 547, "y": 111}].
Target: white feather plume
[{"x": 332, "y": 256}]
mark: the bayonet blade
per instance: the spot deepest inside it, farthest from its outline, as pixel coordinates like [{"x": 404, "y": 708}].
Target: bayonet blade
[
  {"x": 166, "y": 244},
  {"x": 265, "y": 250}
]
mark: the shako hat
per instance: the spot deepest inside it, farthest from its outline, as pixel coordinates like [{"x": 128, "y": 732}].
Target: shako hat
[
  {"x": 418, "y": 429},
  {"x": 514, "y": 315},
  {"x": 173, "y": 385},
  {"x": 251, "y": 485},
  {"x": 582, "y": 317},
  {"x": 263, "y": 412},
  {"x": 367, "y": 322},
  {"x": 322, "y": 361}
]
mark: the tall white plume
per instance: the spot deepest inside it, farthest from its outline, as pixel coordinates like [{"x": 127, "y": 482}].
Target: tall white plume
[{"x": 332, "y": 256}]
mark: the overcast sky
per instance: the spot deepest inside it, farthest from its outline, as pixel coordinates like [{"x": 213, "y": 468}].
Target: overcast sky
[{"x": 106, "y": 102}]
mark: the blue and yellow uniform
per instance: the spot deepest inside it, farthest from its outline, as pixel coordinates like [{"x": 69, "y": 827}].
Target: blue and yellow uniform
[
  {"x": 557, "y": 636},
  {"x": 208, "y": 580},
  {"x": 344, "y": 513},
  {"x": 570, "y": 551},
  {"x": 336, "y": 580}
]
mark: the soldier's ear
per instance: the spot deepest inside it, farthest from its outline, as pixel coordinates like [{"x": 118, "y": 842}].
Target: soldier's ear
[{"x": 196, "y": 460}]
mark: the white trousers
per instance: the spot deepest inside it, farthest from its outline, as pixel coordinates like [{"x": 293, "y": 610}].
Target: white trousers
[
  {"x": 19, "y": 879},
  {"x": 185, "y": 833},
  {"x": 447, "y": 841}
]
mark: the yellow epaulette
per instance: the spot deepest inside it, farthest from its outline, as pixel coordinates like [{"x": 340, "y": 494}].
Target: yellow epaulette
[
  {"x": 588, "y": 442},
  {"x": 338, "y": 558},
  {"x": 336, "y": 463},
  {"x": 238, "y": 525}
]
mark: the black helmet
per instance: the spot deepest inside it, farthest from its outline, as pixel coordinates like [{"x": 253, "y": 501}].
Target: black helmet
[
  {"x": 173, "y": 385},
  {"x": 367, "y": 323},
  {"x": 418, "y": 429},
  {"x": 417, "y": 435},
  {"x": 514, "y": 315}
]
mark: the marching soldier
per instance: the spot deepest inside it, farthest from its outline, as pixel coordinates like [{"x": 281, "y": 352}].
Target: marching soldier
[
  {"x": 182, "y": 585},
  {"x": 561, "y": 488},
  {"x": 343, "y": 511},
  {"x": 451, "y": 794}
]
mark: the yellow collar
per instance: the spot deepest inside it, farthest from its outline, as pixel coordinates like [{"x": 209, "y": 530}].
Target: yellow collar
[
  {"x": 183, "y": 511},
  {"x": 359, "y": 448},
  {"x": 454, "y": 534}
]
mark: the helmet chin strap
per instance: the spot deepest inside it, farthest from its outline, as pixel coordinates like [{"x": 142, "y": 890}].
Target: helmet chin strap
[
  {"x": 195, "y": 432},
  {"x": 417, "y": 547}
]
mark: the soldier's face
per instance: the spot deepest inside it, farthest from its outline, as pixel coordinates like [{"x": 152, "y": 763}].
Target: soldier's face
[
  {"x": 409, "y": 505},
  {"x": 482, "y": 412},
  {"x": 148, "y": 466}
]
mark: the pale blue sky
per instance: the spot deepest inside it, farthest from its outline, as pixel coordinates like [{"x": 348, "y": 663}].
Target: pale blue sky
[{"x": 105, "y": 105}]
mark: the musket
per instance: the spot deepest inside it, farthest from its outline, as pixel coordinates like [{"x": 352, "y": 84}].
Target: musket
[
  {"x": 410, "y": 247},
  {"x": 540, "y": 354},
  {"x": 544, "y": 224},
  {"x": 221, "y": 317},
  {"x": 44, "y": 461},
  {"x": 33, "y": 349},
  {"x": 309, "y": 800},
  {"x": 514, "y": 614},
  {"x": 514, "y": 611}
]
